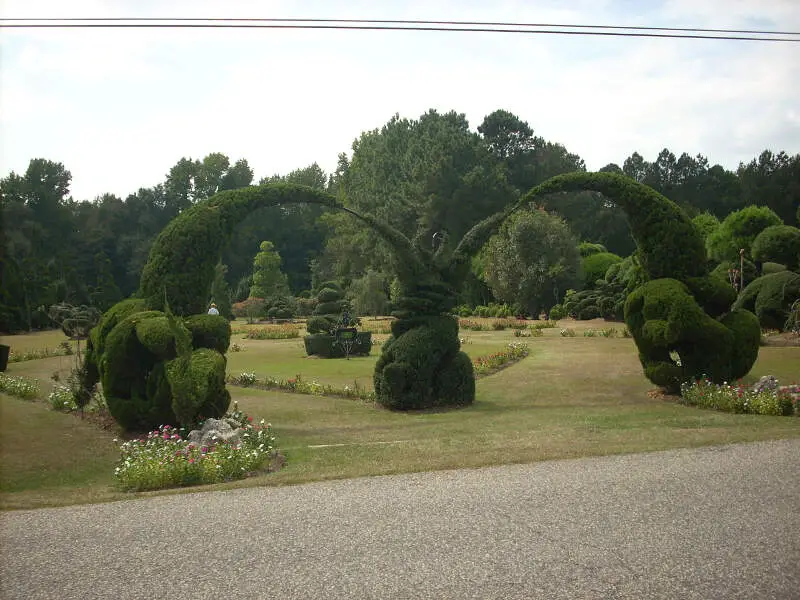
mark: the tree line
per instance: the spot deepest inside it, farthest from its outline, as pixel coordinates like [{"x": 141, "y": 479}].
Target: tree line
[{"x": 432, "y": 178}]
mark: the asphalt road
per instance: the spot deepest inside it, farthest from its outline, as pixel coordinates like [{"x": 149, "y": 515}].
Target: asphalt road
[{"x": 721, "y": 523}]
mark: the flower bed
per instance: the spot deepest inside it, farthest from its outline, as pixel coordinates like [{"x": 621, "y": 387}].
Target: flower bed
[
  {"x": 485, "y": 365},
  {"x": 273, "y": 332},
  {"x": 65, "y": 349},
  {"x": 783, "y": 400},
  {"x": 163, "y": 458},
  {"x": 21, "y": 387}
]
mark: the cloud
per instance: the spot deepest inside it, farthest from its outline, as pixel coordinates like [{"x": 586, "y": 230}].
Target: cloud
[{"x": 119, "y": 107}]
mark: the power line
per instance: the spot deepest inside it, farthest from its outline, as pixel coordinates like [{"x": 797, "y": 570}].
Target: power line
[
  {"x": 377, "y": 25},
  {"x": 405, "y": 22}
]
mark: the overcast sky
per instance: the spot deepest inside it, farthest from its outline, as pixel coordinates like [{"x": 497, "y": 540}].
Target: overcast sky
[{"x": 120, "y": 107}]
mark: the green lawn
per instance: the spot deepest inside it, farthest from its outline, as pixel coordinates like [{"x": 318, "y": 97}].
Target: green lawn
[{"x": 571, "y": 397}]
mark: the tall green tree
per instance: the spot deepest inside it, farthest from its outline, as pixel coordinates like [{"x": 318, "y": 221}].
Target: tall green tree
[
  {"x": 268, "y": 279},
  {"x": 532, "y": 260},
  {"x": 221, "y": 291}
]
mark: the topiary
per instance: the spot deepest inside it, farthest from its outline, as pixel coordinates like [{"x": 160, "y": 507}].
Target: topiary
[
  {"x": 148, "y": 381},
  {"x": 678, "y": 318},
  {"x": 771, "y": 297},
  {"x": 595, "y": 266},
  {"x": 778, "y": 244}
]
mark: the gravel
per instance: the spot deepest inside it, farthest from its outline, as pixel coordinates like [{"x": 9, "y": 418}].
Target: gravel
[{"x": 720, "y": 522}]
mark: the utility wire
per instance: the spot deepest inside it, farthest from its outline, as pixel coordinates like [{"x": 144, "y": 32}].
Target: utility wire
[
  {"x": 363, "y": 24},
  {"x": 406, "y": 22}
]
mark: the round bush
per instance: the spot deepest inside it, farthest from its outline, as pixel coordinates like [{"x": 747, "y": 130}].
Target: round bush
[
  {"x": 594, "y": 266},
  {"x": 589, "y": 312},
  {"x": 419, "y": 366},
  {"x": 557, "y": 312},
  {"x": 770, "y": 298},
  {"x": 779, "y": 244}
]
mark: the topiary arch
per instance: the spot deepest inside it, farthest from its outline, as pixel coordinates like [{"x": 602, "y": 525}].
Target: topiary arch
[{"x": 679, "y": 319}]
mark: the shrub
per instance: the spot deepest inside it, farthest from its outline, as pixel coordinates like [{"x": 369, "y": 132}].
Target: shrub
[
  {"x": 768, "y": 268},
  {"x": 544, "y": 325},
  {"x": 594, "y": 266},
  {"x": 318, "y": 324},
  {"x": 557, "y": 312},
  {"x": 779, "y": 244},
  {"x": 589, "y": 312},
  {"x": 462, "y": 310},
  {"x": 306, "y": 306},
  {"x": 252, "y": 309},
  {"x": 163, "y": 459},
  {"x": 588, "y": 249},
  {"x": 328, "y": 346},
  {"x": 567, "y": 332},
  {"x": 771, "y": 297},
  {"x": 62, "y": 399},
  {"x": 135, "y": 361},
  {"x": 739, "y": 230},
  {"x": 667, "y": 321}
]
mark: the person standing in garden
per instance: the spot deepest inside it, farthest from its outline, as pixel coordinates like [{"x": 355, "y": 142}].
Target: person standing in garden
[{"x": 213, "y": 310}]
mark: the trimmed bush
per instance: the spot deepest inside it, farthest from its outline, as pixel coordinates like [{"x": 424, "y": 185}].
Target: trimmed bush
[
  {"x": 595, "y": 266},
  {"x": 778, "y": 244},
  {"x": 326, "y": 345},
  {"x": 678, "y": 340},
  {"x": 770, "y": 297},
  {"x": 209, "y": 331},
  {"x": 768, "y": 268}
]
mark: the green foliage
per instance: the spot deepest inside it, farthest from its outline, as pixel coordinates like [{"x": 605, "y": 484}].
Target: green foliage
[
  {"x": 771, "y": 297},
  {"x": 369, "y": 294},
  {"x": 668, "y": 243},
  {"x": 144, "y": 366},
  {"x": 183, "y": 257},
  {"x": 588, "y": 249},
  {"x": 421, "y": 366},
  {"x": 678, "y": 341},
  {"x": 706, "y": 224},
  {"x": 531, "y": 260},
  {"x": 209, "y": 331},
  {"x": 738, "y": 231},
  {"x": 779, "y": 244},
  {"x": 328, "y": 346},
  {"x": 595, "y": 265},
  {"x": 768, "y": 268},
  {"x": 221, "y": 292},
  {"x": 728, "y": 271},
  {"x": 268, "y": 279},
  {"x": 281, "y": 307},
  {"x": 557, "y": 312},
  {"x": 318, "y": 324}
]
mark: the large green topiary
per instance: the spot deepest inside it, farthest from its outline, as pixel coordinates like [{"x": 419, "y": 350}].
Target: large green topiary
[
  {"x": 680, "y": 319},
  {"x": 770, "y": 297},
  {"x": 148, "y": 378}
]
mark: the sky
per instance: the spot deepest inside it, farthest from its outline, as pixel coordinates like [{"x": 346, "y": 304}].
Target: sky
[{"x": 119, "y": 107}]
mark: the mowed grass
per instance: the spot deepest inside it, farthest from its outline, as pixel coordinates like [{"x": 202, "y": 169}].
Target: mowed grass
[{"x": 571, "y": 397}]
